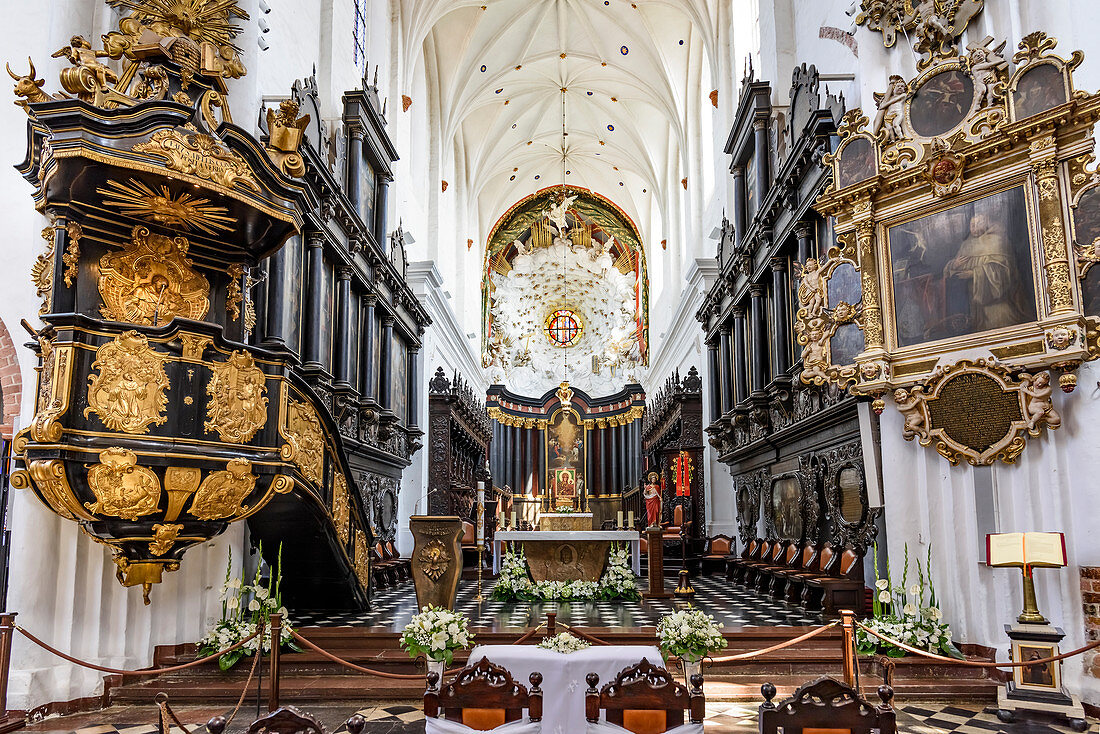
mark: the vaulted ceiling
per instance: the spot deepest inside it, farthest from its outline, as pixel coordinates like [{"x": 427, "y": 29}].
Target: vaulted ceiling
[{"x": 635, "y": 75}]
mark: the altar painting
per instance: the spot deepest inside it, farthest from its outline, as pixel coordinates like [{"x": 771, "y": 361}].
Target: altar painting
[
  {"x": 963, "y": 270},
  {"x": 565, "y": 454}
]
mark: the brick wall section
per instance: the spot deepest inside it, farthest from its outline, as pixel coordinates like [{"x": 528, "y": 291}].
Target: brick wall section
[
  {"x": 1090, "y": 601},
  {"x": 11, "y": 382}
]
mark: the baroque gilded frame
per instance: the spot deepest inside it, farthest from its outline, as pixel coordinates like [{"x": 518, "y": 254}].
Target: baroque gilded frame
[{"x": 1048, "y": 154}]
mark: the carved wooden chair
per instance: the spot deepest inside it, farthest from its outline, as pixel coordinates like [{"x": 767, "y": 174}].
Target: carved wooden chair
[
  {"x": 827, "y": 706},
  {"x": 717, "y": 551},
  {"x": 482, "y": 697},
  {"x": 644, "y": 699},
  {"x": 842, "y": 588},
  {"x": 468, "y": 545},
  {"x": 285, "y": 720},
  {"x": 735, "y": 567},
  {"x": 677, "y": 531}
]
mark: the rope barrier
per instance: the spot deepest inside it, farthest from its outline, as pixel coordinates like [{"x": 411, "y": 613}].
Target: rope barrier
[
  {"x": 147, "y": 671},
  {"x": 971, "y": 663},
  {"x": 584, "y": 635},
  {"x": 247, "y": 683},
  {"x": 352, "y": 666},
  {"x": 167, "y": 713},
  {"x": 757, "y": 653}
]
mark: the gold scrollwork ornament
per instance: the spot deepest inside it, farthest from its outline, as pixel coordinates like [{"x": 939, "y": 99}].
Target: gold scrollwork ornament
[
  {"x": 305, "y": 440},
  {"x": 122, "y": 488},
  {"x": 362, "y": 558},
  {"x": 128, "y": 394},
  {"x": 341, "y": 508},
  {"x": 237, "y": 407},
  {"x": 151, "y": 281},
  {"x": 164, "y": 537},
  {"x": 200, "y": 155},
  {"x": 220, "y": 494}
]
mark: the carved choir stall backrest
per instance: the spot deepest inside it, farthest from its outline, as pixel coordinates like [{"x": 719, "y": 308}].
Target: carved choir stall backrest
[
  {"x": 672, "y": 441},
  {"x": 961, "y": 272},
  {"x": 483, "y": 696},
  {"x": 459, "y": 439},
  {"x": 827, "y": 705},
  {"x": 172, "y": 422},
  {"x": 644, "y": 699}
]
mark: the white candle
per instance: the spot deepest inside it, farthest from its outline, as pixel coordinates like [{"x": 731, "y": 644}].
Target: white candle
[
  {"x": 513, "y": 519},
  {"x": 630, "y": 520},
  {"x": 620, "y": 518}
]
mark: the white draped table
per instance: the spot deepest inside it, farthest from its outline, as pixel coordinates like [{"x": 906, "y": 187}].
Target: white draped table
[
  {"x": 616, "y": 536},
  {"x": 563, "y": 676}
]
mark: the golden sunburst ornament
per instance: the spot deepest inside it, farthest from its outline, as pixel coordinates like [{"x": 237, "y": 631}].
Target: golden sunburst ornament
[
  {"x": 199, "y": 20},
  {"x": 136, "y": 199}
]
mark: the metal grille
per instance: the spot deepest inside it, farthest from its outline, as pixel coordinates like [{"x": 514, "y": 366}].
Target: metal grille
[{"x": 359, "y": 36}]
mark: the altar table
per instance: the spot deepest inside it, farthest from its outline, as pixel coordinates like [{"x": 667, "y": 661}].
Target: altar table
[
  {"x": 617, "y": 536},
  {"x": 563, "y": 676}
]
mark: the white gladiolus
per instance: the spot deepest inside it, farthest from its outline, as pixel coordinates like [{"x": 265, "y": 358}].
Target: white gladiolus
[
  {"x": 882, "y": 584},
  {"x": 914, "y": 590},
  {"x": 884, "y": 597}
]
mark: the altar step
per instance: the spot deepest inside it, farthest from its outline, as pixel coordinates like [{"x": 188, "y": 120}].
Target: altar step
[{"x": 309, "y": 678}]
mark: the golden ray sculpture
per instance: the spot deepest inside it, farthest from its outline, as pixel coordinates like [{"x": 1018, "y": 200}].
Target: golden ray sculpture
[{"x": 137, "y": 199}]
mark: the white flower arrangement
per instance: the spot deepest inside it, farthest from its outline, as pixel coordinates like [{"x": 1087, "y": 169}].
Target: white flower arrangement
[
  {"x": 690, "y": 634},
  {"x": 514, "y": 582},
  {"x": 920, "y": 621},
  {"x": 243, "y": 607},
  {"x": 564, "y": 643},
  {"x": 436, "y": 633}
]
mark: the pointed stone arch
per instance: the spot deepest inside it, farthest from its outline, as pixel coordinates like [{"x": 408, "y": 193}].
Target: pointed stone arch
[{"x": 11, "y": 383}]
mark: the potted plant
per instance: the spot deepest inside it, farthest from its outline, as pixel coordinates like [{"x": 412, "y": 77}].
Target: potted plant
[
  {"x": 690, "y": 635},
  {"x": 436, "y": 633}
]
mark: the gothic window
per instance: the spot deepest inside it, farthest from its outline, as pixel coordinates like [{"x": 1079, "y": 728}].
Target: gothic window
[{"x": 359, "y": 36}]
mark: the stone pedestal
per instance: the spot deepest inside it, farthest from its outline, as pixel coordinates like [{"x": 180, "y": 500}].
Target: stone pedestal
[
  {"x": 656, "y": 563},
  {"x": 436, "y": 559}
]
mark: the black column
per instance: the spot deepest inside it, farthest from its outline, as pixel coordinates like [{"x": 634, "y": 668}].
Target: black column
[
  {"x": 412, "y": 386},
  {"x": 759, "y": 339},
  {"x": 605, "y": 460},
  {"x": 342, "y": 346},
  {"x": 276, "y": 296},
  {"x": 739, "y": 203},
  {"x": 513, "y": 471},
  {"x": 367, "y": 356},
  {"x": 781, "y": 347},
  {"x": 494, "y": 454},
  {"x": 616, "y": 453},
  {"x": 714, "y": 383},
  {"x": 381, "y": 194},
  {"x": 315, "y": 263},
  {"x": 530, "y": 467},
  {"x": 589, "y": 461},
  {"x": 540, "y": 459},
  {"x": 355, "y": 168},
  {"x": 760, "y": 152},
  {"x": 727, "y": 371},
  {"x": 804, "y": 231},
  {"x": 740, "y": 365},
  {"x": 385, "y": 368}
]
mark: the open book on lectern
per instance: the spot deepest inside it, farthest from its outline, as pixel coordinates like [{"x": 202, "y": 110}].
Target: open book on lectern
[{"x": 1041, "y": 550}]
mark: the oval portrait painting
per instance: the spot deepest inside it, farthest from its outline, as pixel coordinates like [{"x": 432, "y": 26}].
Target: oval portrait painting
[{"x": 941, "y": 103}]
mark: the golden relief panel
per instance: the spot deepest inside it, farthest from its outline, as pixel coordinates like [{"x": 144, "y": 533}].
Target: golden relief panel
[
  {"x": 151, "y": 281},
  {"x": 362, "y": 559},
  {"x": 305, "y": 444},
  {"x": 220, "y": 494},
  {"x": 197, "y": 154},
  {"x": 237, "y": 408},
  {"x": 954, "y": 247},
  {"x": 121, "y": 487},
  {"x": 164, "y": 537},
  {"x": 128, "y": 393},
  {"x": 341, "y": 507}
]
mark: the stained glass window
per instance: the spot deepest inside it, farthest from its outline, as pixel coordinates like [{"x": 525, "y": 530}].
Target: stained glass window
[{"x": 563, "y": 328}]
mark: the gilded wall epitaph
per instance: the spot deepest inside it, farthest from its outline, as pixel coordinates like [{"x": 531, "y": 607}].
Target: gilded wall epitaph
[
  {"x": 237, "y": 407},
  {"x": 151, "y": 281},
  {"x": 220, "y": 494},
  {"x": 128, "y": 393},
  {"x": 122, "y": 488}
]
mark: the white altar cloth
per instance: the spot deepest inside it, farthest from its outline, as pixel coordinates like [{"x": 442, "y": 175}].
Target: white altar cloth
[
  {"x": 618, "y": 536},
  {"x": 563, "y": 676}
]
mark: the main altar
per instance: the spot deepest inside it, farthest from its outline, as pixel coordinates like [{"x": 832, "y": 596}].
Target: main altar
[{"x": 567, "y": 555}]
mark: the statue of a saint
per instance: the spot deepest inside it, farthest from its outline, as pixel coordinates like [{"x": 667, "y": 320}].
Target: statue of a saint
[{"x": 651, "y": 491}]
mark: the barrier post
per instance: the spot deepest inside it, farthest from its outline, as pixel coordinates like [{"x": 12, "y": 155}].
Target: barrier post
[
  {"x": 848, "y": 641},
  {"x": 551, "y": 623},
  {"x": 7, "y": 631},
  {"x": 276, "y": 623}
]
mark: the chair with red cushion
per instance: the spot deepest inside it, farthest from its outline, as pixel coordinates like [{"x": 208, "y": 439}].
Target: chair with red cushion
[{"x": 644, "y": 699}]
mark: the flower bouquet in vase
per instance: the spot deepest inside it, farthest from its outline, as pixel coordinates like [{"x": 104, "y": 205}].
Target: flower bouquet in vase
[
  {"x": 436, "y": 633},
  {"x": 691, "y": 635}
]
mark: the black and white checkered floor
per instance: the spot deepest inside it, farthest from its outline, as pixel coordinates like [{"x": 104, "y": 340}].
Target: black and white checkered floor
[
  {"x": 731, "y": 605},
  {"x": 402, "y": 718}
]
